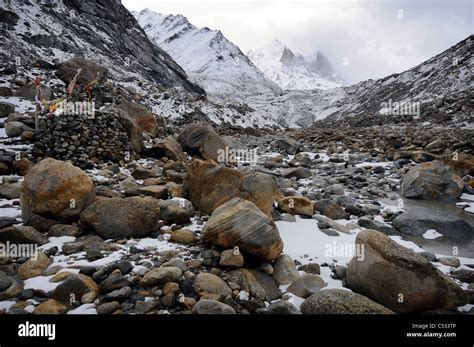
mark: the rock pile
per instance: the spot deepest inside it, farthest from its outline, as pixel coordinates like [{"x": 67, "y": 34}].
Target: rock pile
[{"x": 83, "y": 139}]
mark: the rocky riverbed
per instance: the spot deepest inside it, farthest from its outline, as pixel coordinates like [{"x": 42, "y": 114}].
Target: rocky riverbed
[{"x": 150, "y": 218}]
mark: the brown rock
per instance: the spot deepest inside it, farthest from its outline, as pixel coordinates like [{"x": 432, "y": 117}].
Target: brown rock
[
  {"x": 51, "y": 306},
  {"x": 90, "y": 71},
  {"x": 54, "y": 188},
  {"x": 74, "y": 287},
  {"x": 298, "y": 205},
  {"x": 170, "y": 287},
  {"x": 183, "y": 236},
  {"x": 157, "y": 192},
  {"x": 161, "y": 276},
  {"x": 34, "y": 266},
  {"x": 127, "y": 217},
  {"x": 330, "y": 209},
  {"x": 168, "y": 147},
  {"x": 461, "y": 164},
  {"x": 231, "y": 258},
  {"x": 22, "y": 234},
  {"x": 256, "y": 283},
  {"x": 398, "y": 278},
  {"x": 206, "y": 283},
  {"x": 22, "y": 166},
  {"x": 338, "y": 301},
  {"x": 141, "y": 173},
  {"x": 212, "y": 307},
  {"x": 239, "y": 223},
  {"x": 141, "y": 116},
  {"x": 10, "y": 286},
  {"x": 209, "y": 185},
  {"x": 431, "y": 181},
  {"x": 201, "y": 139},
  {"x": 64, "y": 230},
  {"x": 306, "y": 285}
]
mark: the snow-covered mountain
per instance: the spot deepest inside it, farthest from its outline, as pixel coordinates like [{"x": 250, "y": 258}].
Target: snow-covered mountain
[
  {"x": 207, "y": 56},
  {"x": 295, "y": 72},
  {"x": 438, "y": 90},
  {"x": 101, "y": 30}
]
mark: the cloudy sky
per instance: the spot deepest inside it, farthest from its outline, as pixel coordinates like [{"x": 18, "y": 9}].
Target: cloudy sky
[{"x": 378, "y": 37}]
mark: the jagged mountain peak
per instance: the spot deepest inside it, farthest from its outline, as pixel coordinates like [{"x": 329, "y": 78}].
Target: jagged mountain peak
[
  {"x": 294, "y": 71},
  {"x": 208, "y": 57}
]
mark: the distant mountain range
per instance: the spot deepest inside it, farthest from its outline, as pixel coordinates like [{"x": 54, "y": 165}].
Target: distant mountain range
[
  {"x": 207, "y": 56},
  {"x": 170, "y": 66},
  {"x": 295, "y": 72}
]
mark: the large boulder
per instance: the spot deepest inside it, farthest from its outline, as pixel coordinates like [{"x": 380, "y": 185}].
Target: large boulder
[
  {"x": 417, "y": 220},
  {"x": 6, "y": 108},
  {"x": 298, "y": 205},
  {"x": 338, "y": 301},
  {"x": 400, "y": 279},
  {"x": 50, "y": 307},
  {"x": 22, "y": 234},
  {"x": 168, "y": 147},
  {"x": 209, "y": 185},
  {"x": 239, "y": 223},
  {"x": 208, "y": 284},
  {"x": 14, "y": 129},
  {"x": 134, "y": 131},
  {"x": 212, "y": 307},
  {"x": 10, "y": 286},
  {"x": 34, "y": 266},
  {"x": 284, "y": 270},
  {"x": 256, "y": 283},
  {"x": 461, "y": 164},
  {"x": 331, "y": 209},
  {"x": 290, "y": 146},
  {"x": 90, "y": 71},
  {"x": 30, "y": 90},
  {"x": 161, "y": 276},
  {"x": 127, "y": 217},
  {"x": 176, "y": 210},
  {"x": 74, "y": 287},
  {"x": 55, "y": 189},
  {"x": 201, "y": 140},
  {"x": 431, "y": 181},
  {"x": 306, "y": 285},
  {"x": 142, "y": 117}
]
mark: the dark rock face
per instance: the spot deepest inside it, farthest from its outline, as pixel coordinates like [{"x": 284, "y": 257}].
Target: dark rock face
[
  {"x": 201, "y": 139},
  {"x": 128, "y": 217},
  {"x": 450, "y": 104},
  {"x": 90, "y": 70},
  {"x": 418, "y": 220},
  {"x": 111, "y": 33},
  {"x": 431, "y": 181}
]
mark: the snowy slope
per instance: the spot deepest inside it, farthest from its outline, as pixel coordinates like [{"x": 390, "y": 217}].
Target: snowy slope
[
  {"x": 442, "y": 86},
  {"x": 101, "y": 30},
  {"x": 209, "y": 58},
  {"x": 295, "y": 72}
]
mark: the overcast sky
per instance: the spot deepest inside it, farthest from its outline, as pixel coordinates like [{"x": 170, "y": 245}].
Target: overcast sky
[{"x": 378, "y": 37}]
